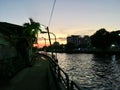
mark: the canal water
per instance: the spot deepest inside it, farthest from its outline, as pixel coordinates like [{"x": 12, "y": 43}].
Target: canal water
[{"x": 96, "y": 72}]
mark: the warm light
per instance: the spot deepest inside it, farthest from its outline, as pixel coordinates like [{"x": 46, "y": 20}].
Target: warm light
[{"x": 59, "y": 38}]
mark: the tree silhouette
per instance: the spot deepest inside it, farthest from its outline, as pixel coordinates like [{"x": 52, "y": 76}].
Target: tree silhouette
[
  {"x": 31, "y": 30},
  {"x": 70, "y": 46},
  {"x": 28, "y": 38},
  {"x": 115, "y": 37},
  {"x": 100, "y": 39}
]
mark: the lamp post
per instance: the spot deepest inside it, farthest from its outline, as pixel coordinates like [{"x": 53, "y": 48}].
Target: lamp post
[
  {"x": 49, "y": 37},
  {"x": 44, "y": 40},
  {"x": 55, "y": 41},
  {"x": 45, "y": 45},
  {"x": 53, "y": 35},
  {"x": 50, "y": 42},
  {"x": 49, "y": 33}
]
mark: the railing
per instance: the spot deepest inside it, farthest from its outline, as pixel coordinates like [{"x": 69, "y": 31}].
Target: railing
[
  {"x": 61, "y": 76},
  {"x": 74, "y": 86}
]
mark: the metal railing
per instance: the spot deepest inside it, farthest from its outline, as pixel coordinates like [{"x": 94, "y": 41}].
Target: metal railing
[
  {"x": 61, "y": 76},
  {"x": 74, "y": 86}
]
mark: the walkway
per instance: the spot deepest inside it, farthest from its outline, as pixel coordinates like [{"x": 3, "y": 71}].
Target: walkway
[{"x": 37, "y": 77}]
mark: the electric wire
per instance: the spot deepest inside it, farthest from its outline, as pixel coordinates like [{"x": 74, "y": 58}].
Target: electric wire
[{"x": 51, "y": 15}]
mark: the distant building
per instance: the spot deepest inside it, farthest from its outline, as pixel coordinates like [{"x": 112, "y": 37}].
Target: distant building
[
  {"x": 87, "y": 41},
  {"x": 77, "y": 40}
]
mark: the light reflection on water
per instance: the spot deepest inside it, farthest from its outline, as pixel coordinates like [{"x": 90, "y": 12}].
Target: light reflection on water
[{"x": 98, "y": 72}]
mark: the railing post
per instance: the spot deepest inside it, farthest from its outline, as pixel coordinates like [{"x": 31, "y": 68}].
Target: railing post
[
  {"x": 67, "y": 78},
  {"x": 71, "y": 85},
  {"x": 58, "y": 73}
]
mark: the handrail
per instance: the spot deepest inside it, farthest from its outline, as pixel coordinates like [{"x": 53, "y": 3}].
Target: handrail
[
  {"x": 74, "y": 86},
  {"x": 61, "y": 75}
]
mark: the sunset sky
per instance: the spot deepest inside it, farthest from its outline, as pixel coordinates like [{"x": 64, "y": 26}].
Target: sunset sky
[{"x": 70, "y": 17}]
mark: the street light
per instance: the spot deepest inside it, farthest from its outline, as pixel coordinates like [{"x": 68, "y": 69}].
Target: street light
[
  {"x": 49, "y": 38},
  {"x": 44, "y": 40},
  {"x": 49, "y": 33},
  {"x": 46, "y": 32},
  {"x": 53, "y": 35},
  {"x": 44, "y": 45}
]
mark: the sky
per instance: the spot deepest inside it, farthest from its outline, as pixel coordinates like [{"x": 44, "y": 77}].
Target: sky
[{"x": 70, "y": 17}]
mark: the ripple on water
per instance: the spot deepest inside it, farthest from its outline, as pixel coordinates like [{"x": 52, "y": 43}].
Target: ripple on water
[{"x": 98, "y": 72}]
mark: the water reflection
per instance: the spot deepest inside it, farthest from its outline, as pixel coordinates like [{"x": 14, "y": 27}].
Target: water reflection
[
  {"x": 99, "y": 72},
  {"x": 106, "y": 72}
]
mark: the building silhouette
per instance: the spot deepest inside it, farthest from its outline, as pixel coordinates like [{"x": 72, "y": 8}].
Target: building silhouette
[{"x": 77, "y": 40}]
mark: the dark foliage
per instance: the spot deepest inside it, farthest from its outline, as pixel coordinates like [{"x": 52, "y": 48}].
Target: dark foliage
[
  {"x": 70, "y": 46},
  {"x": 103, "y": 39}
]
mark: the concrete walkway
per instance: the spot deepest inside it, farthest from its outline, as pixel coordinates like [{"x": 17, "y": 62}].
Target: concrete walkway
[{"x": 37, "y": 77}]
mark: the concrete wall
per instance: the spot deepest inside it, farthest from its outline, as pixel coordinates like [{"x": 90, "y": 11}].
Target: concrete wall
[{"x": 7, "y": 52}]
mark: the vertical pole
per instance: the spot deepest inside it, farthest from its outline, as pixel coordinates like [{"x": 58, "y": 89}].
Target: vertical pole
[
  {"x": 45, "y": 46},
  {"x": 45, "y": 41},
  {"x": 59, "y": 74},
  {"x": 55, "y": 41},
  {"x": 49, "y": 40},
  {"x": 67, "y": 82},
  {"x": 71, "y": 85}
]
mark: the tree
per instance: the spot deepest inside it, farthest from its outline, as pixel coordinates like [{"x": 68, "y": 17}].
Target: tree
[
  {"x": 30, "y": 34},
  {"x": 31, "y": 30},
  {"x": 115, "y": 37},
  {"x": 70, "y": 46},
  {"x": 100, "y": 39}
]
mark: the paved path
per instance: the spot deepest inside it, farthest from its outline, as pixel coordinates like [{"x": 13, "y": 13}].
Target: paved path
[{"x": 37, "y": 77}]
